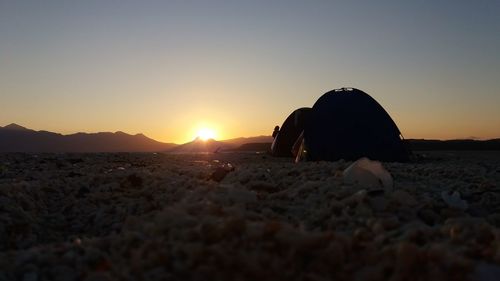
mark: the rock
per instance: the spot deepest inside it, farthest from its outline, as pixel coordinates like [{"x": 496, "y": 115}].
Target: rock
[
  {"x": 135, "y": 180},
  {"x": 221, "y": 172},
  {"x": 378, "y": 203},
  {"x": 63, "y": 273},
  {"x": 453, "y": 200},
  {"x": 98, "y": 276},
  {"x": 238, "y": 195},
  {"x": 407, "y": 256},
  {"x": 30, "y": 276},
  {"x": 82, "y": 192},
  {"x": 403, "y": 198},
  {"x": 382, "y": 225},
  {"x": 486, "y": 272},
  {"x": 356, "y": 198},
  {"x": 428, "y": 216},
  {"x": 494, "y": 219},
  {"x": 262, "y": 186},
  {"x": 368, "y": 174}
]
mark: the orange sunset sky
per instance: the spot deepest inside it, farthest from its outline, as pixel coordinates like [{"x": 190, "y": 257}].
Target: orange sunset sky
[{"x": 170, "y": 68}]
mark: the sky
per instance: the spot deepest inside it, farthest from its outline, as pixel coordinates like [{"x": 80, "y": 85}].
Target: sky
[{"x": 169, "y": 68}]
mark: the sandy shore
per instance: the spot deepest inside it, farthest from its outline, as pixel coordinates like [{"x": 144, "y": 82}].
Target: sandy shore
[{"x": 164, "y": 217}]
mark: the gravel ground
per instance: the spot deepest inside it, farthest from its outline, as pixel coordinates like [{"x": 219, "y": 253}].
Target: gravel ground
[{"x": 233, "y": 216}]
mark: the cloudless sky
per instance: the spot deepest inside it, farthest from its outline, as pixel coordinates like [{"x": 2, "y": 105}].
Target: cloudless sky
[{"x": 167, "y": 68}]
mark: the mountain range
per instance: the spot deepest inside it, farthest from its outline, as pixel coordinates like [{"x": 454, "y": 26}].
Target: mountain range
[{"x": 16, "y": 138}]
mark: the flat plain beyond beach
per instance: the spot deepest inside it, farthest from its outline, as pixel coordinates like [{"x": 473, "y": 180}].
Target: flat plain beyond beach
[{"x": 183, "y": 217}]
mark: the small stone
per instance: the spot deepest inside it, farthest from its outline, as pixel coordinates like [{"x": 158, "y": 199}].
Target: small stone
[
  {"x": 63, "y": 272},
  {"x": 98, "y": 276},
  {"x": 453, "y": 200},
  {"x": 262, "y": 186},
  {"x": 408, "y": 256},
  {"x": 30, "y": 276},
  {"x": 356, "y": 198},
  {"x": 486, "y": 272},
  {"x": 428, "y": 216},
  {"x": 221, "y": 172},
  {"x": 135, "y": 180},
  {"x": 403, "y": 198},
  {"x": 378, "y": 203},
  {"x": 237, "y": 195},
  {"x": 82, "y": 192},
  {"x": 494, "y": 219}
]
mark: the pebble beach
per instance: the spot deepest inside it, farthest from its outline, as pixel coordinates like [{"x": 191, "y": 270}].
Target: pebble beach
[{"x": 246, "y": 216}]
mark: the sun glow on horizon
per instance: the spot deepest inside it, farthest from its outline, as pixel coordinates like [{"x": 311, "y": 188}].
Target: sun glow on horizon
[{"x": 205, "y": 134}]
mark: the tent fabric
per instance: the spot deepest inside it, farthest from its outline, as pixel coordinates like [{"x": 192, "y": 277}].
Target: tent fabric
[
  {"x": 349, "y": 124},
  {"x": 289, "y": 132}
]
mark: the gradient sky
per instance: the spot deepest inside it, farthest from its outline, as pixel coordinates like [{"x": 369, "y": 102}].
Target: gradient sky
[{"x": 166, "y": 68}]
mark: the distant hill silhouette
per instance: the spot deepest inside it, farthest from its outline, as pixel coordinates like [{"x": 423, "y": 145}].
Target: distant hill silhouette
[
  {"x": 423, "y": 144},
  {"x": 15, "y": 127},
  {"x": 254, "y": 147},
  {"x": 242, "y": 140},
  {"x": 15, "y": 138},
  {"x": 235, "y": 144},
  {"x": 413, "y": 144},
  {"x": 198, "y": 146}
]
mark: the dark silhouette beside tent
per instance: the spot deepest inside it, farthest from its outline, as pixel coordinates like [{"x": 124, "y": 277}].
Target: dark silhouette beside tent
[
  {"x": 343, "y": 124},
  {"x": 285, "y": 138}
]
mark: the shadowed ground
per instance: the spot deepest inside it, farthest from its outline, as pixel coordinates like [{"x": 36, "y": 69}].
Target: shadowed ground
[{"x": 162, "y": 217}]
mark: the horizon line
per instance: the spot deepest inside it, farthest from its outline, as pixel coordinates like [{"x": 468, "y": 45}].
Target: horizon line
[{"x": 171, "y": 142}]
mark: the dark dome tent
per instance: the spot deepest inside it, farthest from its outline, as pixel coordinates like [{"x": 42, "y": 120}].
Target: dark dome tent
[
  {"x": 289, "y": 132},
  {"x": 349, "y": 124}
]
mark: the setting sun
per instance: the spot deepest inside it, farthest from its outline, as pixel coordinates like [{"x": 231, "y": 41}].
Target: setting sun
[{"x": 206, "y": 134}]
